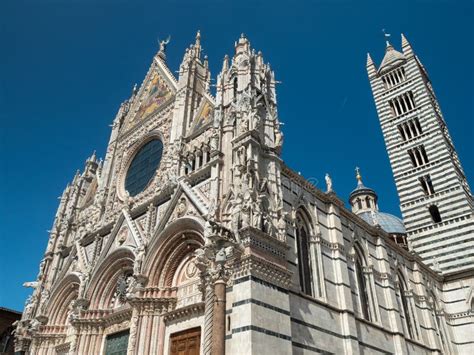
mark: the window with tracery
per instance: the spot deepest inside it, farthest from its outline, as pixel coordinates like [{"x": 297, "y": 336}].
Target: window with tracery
[{"x": 362, "y": 289}]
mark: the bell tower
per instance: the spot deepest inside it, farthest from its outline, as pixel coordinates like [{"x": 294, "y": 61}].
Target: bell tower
[{"x": 435, "y": 198}]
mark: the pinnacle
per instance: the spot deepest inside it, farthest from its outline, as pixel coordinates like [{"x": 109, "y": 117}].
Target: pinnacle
[{"x": 370, "y": 62}]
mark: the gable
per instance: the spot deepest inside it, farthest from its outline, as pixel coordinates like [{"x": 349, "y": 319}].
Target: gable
[
  {"x": 156, "y": 92},
  {"x": 125, "y": 234},
  {"x": 185, "y": 202},
  {"x": 204, "y": 116}
]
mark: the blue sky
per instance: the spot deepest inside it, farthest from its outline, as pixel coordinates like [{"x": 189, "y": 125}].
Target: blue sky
[{"x": 65, "y": 67}]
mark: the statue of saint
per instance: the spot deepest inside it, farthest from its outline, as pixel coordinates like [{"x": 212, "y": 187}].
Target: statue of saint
[{"x": 328, "y": 183}]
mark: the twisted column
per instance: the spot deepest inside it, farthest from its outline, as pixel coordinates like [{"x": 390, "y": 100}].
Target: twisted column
[{"x": 208, "y": 319}]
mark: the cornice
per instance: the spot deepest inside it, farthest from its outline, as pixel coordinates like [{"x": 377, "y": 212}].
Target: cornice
[{"x": 187, "y": 312}]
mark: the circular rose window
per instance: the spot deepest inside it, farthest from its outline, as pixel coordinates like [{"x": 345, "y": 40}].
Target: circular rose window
[{"x": 143, "y": 167}]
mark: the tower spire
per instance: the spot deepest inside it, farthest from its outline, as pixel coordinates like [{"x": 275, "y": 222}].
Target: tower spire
[
  {"x": 406, "y": 46},
  {"x": 371, "y": 69}
]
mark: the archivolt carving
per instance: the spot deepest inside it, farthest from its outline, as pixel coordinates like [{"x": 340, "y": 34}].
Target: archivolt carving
[
  {"x": 104, "y": 279},
  {"x": 63, "y": 295},
  {"x": 184, "y": 231}
]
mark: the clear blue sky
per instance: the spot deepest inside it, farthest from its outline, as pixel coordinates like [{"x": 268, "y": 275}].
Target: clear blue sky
[{"x": 66, "y": 65}]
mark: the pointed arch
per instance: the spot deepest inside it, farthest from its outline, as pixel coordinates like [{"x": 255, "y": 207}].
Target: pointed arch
[{"x": 303, "y": 232}]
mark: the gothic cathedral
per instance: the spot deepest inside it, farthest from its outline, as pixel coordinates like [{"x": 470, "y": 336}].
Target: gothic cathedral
[{"x": 194, "y": 237}]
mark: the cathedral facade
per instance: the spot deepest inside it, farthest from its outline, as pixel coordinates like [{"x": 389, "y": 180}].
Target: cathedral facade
[{"x": 194, "y": 237}]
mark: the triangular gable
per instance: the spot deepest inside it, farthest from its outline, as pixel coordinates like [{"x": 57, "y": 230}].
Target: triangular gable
[
  {"x": 124, "y": 235},
  {"x": 156, "y": 92},
  {"x": 185, "y": 201},
  {"x": 204, "y": 116}
]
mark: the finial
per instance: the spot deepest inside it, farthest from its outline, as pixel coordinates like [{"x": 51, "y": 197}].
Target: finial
[
  {"x": 197, "y": 45},
  {"x": 358, "y": 176},
  {"x": 92, "y": 157},
  {"x": 135, "y": 89},
  {"x": 387, "y": 36}
]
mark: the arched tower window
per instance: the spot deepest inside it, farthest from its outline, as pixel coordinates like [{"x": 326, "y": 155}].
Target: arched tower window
[
  {"x": 359, "y": 203},
  {"x": 367, "y": 201},
  {"x": 304, "y": 267},
  {"x": 434, "y": 212}
]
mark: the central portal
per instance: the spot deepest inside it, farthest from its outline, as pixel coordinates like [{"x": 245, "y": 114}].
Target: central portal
[{"x": 187, "y": 342}]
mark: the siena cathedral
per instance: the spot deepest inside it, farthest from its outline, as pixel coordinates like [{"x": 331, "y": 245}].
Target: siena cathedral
[{"x": 194, "y": 237}]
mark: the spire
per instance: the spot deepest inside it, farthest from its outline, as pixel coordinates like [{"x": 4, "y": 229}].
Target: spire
[
  {"x": 92, "y": 158},
  {"x": 197, "y": 44},
  {"x": 225, "y": 64},
  {"x": 371, "y": 69},
  {"x": 242, "y": 45},
  {"x": 406, "y": 46}
]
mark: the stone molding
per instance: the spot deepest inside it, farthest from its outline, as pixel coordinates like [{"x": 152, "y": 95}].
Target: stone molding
[
  {"x": 190, "y": 311},
  {"x": 250, "y": 265}
]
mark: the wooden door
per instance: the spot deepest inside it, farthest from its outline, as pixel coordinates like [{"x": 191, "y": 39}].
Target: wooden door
[{"x": 187, "y": 342}]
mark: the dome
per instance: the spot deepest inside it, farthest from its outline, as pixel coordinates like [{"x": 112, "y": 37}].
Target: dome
[{"x": 389, "y": 223}]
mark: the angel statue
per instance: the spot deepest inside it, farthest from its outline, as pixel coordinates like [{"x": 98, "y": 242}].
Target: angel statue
[{"x": 163, "y": 45}]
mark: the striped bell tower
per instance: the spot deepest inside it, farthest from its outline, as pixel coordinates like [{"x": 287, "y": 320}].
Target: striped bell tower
[{"x": 435, "y": 199}]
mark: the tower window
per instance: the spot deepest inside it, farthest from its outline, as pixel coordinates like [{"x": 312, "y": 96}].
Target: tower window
[
  {"x": 403, "y": 103},
  {"x": 359, "y": 203},
  {"x": 410, "y": 129},
  {"x": 418, "y": 156},
  {"x": 367, "y": 201},
  {"x": 394, "y": 78},
  {"x": 434, "y": 212},
  {"x": 427, "y": 185}
]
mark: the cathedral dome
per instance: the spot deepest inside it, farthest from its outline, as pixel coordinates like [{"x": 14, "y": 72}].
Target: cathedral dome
[{"x": 388, "y": 222}]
